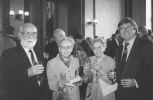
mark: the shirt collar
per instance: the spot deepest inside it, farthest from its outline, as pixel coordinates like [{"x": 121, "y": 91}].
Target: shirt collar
[
  {"x": 27, "y": 50},
  {"x": 130, "y": 42}
]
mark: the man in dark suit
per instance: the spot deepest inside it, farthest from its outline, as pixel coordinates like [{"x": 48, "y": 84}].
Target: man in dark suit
[
  {"x": 51, "y": 50},
  {"x": 113, "y": 44},
  {"x": 19, "y": 69},
  {"x": 134, "y": 64}
]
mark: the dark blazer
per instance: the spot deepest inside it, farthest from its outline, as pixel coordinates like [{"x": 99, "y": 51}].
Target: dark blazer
[
  {"x": 111, "y": 48},
  {"x": 139, "y": 66},
  {"x": 16, "y": 85},
  {"x": 87, "y": 48},
  {"x": 52, "y": 50}
]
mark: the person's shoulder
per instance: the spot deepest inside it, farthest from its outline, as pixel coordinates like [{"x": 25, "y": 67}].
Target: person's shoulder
[
  {"x": 74, "y": 58},
  {"x": 54, "y": 60},
  {"x": 145, "y": 42},
  {"x": 10, "y": 50},
  {"x": 9, "y": 53},
  {"x": 52, "y": 43},
  {"x": 109, "y": 59}
]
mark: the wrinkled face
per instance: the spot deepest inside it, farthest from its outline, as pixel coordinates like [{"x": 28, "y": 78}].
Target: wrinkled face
[
  {"x": 65, "y": 48},
  {"x": 98, "y": 49},
  {"x": 127, "y": 31},
  {"x": 28, "y": 37}
]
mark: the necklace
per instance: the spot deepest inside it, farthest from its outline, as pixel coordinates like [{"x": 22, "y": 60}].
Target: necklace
[{"x": 65, "y": 60}]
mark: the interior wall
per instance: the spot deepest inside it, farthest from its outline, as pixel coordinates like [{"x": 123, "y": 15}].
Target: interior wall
[
  {"x": 63, "y": 16},
  {"x": 108, "y": 14},
  {"x": 1, "y": 14},
  {"x": 5, "y": 14},
  {"x": 75, "y": 16},
  {"x": 88, "y": 16},
  {"x": 139, "y": 11},
  {"x": 16, "y": 5}
]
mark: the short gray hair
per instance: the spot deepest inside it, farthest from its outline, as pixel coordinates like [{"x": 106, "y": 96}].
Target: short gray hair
[
  {"x": 100, "y": 40},
  {"x": 70, "y": 39}
]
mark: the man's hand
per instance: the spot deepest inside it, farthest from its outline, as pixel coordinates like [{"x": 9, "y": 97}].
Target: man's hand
[
  {"x": 35, "y": 70},
  {"x": 126, "y": 83}
]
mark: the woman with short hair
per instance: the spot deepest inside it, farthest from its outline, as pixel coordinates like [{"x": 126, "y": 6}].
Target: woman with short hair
[
  {"x": 99, "y": 67},
  {"x": 61, "y": 70}
]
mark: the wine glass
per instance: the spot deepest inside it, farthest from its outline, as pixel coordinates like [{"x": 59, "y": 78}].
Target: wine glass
[{"x": 40, "y": 77}]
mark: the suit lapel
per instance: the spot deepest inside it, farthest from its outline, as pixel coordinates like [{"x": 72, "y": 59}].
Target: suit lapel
[
  {"x": 118, "y": 59},
  {"x": 132, "y": 54},
  {"x": 25, "y": 59}
]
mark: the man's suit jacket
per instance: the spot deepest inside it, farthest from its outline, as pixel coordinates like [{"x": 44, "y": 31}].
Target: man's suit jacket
[
  {"x": 16, "y": 84},
  {"x": 111, "y": 48},
  {"x": 138, "y": 66},
  {"x": 52, "y": 50}
]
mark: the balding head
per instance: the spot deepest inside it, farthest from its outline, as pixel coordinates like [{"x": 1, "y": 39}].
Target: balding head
[
  {"x": 58, "y": 35},
  {"x": 28, "y": 35},
  {"x": 143, "y": 31},
  {"x": 27, "y": 27}
]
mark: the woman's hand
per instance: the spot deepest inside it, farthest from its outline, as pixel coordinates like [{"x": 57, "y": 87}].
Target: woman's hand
[
  {"x": 61, "y": 84},
  {"x": 112, "y": 76}
]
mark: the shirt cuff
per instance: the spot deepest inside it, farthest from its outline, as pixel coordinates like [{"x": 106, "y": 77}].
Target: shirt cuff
[{"x": 136, "y": 84}]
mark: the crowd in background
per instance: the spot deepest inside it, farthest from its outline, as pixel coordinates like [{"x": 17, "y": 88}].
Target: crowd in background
[{"x": 90, "y": 60}]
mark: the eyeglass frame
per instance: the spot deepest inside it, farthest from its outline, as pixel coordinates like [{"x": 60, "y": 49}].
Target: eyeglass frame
[
  {"x": 29, "y": 34},
  {"x": 66, "y": 47},
  {"x": 125, "y": 28}
]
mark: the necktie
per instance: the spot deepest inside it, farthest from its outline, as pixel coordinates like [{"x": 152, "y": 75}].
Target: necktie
[
  {"x": 124, "y": 56},
  {"x": 32, "y": 58},
  {"x": 34, "y": 63}
]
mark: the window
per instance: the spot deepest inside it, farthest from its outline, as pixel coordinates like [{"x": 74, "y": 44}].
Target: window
[{"x": 148, "y": 14}]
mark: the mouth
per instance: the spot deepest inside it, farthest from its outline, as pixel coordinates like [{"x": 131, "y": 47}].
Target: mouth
[{"x": 30, "y": 41}]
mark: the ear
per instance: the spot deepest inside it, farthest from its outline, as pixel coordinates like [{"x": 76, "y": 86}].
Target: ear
[
  {"x": 134, "y": 30},
  {"x": 19, "y": 35},
  {"x": 59, "y": 49}
]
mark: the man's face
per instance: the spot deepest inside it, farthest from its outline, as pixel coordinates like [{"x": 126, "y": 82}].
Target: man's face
[
  {"x": 59, "y": 36},
  {"x": 127, "y": 31},
  {"x": 28, "y": 37}
]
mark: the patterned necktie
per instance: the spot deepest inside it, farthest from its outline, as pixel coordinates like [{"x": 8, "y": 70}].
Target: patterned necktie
[
  {"x": 32, "y": 58},
  {"x": 38, "y": 77},
  {"x": 124, "y": 56}
]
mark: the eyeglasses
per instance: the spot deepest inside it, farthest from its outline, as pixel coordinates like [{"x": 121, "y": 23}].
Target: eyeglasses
[
  {"x": 98, "y": 48},
  {"x": 66, "y": 47},
  {"x": 125, "y": 28},
  {"x": 29, "y": 34}
]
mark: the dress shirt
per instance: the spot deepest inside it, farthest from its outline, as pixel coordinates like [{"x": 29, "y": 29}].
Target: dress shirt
[
  {"x": 129, "y": 47},
  {"x": 29, "y": 55},
  {"x": 117, "y": 42}
]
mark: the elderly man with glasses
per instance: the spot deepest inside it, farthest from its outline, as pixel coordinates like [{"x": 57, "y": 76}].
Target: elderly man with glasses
[{"x": 21, "y": 70}]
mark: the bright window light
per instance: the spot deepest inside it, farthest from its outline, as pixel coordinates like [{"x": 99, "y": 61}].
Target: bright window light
[{"x": 148, "y": 14}]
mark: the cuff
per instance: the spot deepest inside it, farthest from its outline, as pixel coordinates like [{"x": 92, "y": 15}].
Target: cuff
[{"x": 136, "y": 84}]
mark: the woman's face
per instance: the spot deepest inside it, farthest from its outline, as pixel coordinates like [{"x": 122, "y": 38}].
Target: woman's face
[
  {"x": 98, "y": 49},
  {"x": 65, "y": 48}
]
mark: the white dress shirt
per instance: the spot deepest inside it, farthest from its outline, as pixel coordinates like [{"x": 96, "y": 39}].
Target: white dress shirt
[
  {"x": 29, "y": 55},
  {"x": 129, "y": 47}
]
